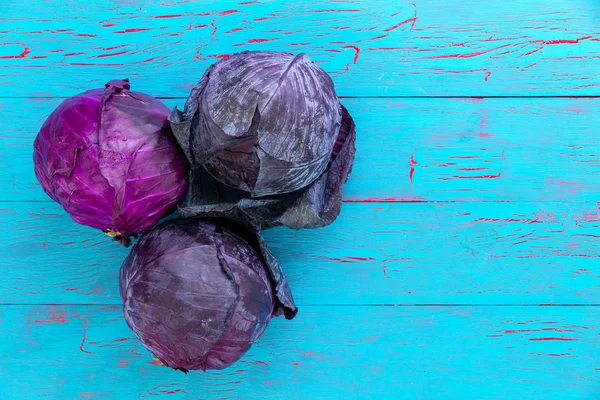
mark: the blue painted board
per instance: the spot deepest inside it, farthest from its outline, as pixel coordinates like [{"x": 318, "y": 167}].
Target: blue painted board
[
  {"x": 383, "y": 48},
  {"x": 412, "y": 149},
  {"x": 429, "y": 353},
  {"x": 387, "y": 253}
]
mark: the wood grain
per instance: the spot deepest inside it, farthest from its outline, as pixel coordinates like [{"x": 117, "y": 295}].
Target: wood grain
[
  {"x": 464, "y": 264},
  {"x": 421, "y": 149},
  {"x": 387, "y": 48},
  {"x": 71, "y": 352},
  {"x": 410, "y": 253}
]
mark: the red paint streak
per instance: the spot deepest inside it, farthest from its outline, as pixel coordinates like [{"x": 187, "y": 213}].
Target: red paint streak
[
  {"x": 338, "y": 259},
  {"x": 34, "y": 57},
  {"x": 83, "y": 340},
  {"x": 413, "y": 199},
  {"x": 361, "y": 258},
  {"x": 413, "y": 20},
  {"x": 205, "y": 14},
  {"x": 333, "y": 51},
  {"x": 71, "y": 55},
  {"x": 108, "y": 25},
  {"x": 133, "y": 351},
  {"x": 531, "y": 52},
  {"x": 482, "y": 122},
  {"x": 379, "y": 37},
  {"x": 261, "y": 19},
  {"x": 169, "y": 16},
  {"x": 576, "y": 255},
  {"x": 412, "y": 164},
  {"x": 222, "y": 56},
  {"x": 111, "y": 54},
  {"x": 113, "y": 47},
  {"x": 497, "y": 220},
  {"x": 386, "y": 48},
  {"x": 538, "y": 330},
  {"x": 564, "y": 41},
  {"x": 249, "y": 2},
  {"x": 261, "y": 362},
  {"x": 384, "y": 270},
  {"x": 587, "y": 234},
  {"x": 132, "y": 30},
  {"x": 556, "y": 355},
  {"x": 356, "y": 52},
  {"x": 473, "y": 169},
  {"x": 296, "y": 364},
  {"x": 234, "y": 30},
  {"x": 487, "y": 75},
  {"x": 110, "y": 308},
  {"x": 469, "y": 55},
  {"x": 59, "y": 317},
  {"x": 262, "y": 40},
  {"x": 561, "y": 339},
  {"x": 172, "y": 391},
  {"x": 478, "y": 176},
  {"x": 23, "y": 54},
  {"x": 95, "y": 289},
  {"x": 223, "y": 13},
  {"x": 336, "y": 11},
  {"x": 214, "y": 32},
  {"x": 154, "y": 362},
  {"x": 86, "y": 35}
]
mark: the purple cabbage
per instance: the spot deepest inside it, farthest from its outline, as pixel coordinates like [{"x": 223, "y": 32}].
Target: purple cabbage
[
  {"x": 265, "y": 132},
  {"x": 199, "y": 292},
  {"x": 109, "y": 157}
]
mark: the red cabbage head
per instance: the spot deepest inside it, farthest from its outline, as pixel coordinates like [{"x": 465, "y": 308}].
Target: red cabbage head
[
  {"x": 109, "y": 157},
  {"x": 197, "y": 294},
  {"x": 262, "y": 122}
]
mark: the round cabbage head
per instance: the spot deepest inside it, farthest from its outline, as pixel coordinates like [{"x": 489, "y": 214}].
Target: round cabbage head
[
  {"x": 263, "y": 122},
  {"x": 109, "y": 157},
  {"x": 196, "y": 293}
]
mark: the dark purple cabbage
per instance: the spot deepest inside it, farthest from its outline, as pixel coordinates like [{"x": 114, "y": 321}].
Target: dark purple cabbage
[
  {"x": 109, "y": 157},
  {"x": 264, "y": 131},
  {"x": 199, "y": 292}
]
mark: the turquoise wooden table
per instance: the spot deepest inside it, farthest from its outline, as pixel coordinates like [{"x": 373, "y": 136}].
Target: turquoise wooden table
[{"x": 464, "y": 264}]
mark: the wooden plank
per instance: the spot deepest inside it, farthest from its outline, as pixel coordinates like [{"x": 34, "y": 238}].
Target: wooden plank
[
  {"x": 74, "y": 352},
  {"x": 391, "y": 48},
  {"x": 422, "y": 149},
  {"x": 410, "y": 253}
]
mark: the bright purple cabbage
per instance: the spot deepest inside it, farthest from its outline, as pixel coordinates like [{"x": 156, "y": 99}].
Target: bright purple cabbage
[
  {"x": 108, "y": 156},
  {"x": 198, "y": 292},
  {"x": 265, "y": 131}
]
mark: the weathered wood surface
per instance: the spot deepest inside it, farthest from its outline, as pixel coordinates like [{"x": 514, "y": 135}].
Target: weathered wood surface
[
  {"x": 389, "y": 253},
  {"x": 465, "y": 261},
  {"x": 412, "y": 149},
  {"x": 383, "y": 48},
  {"x": 71, "y": 352}
]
